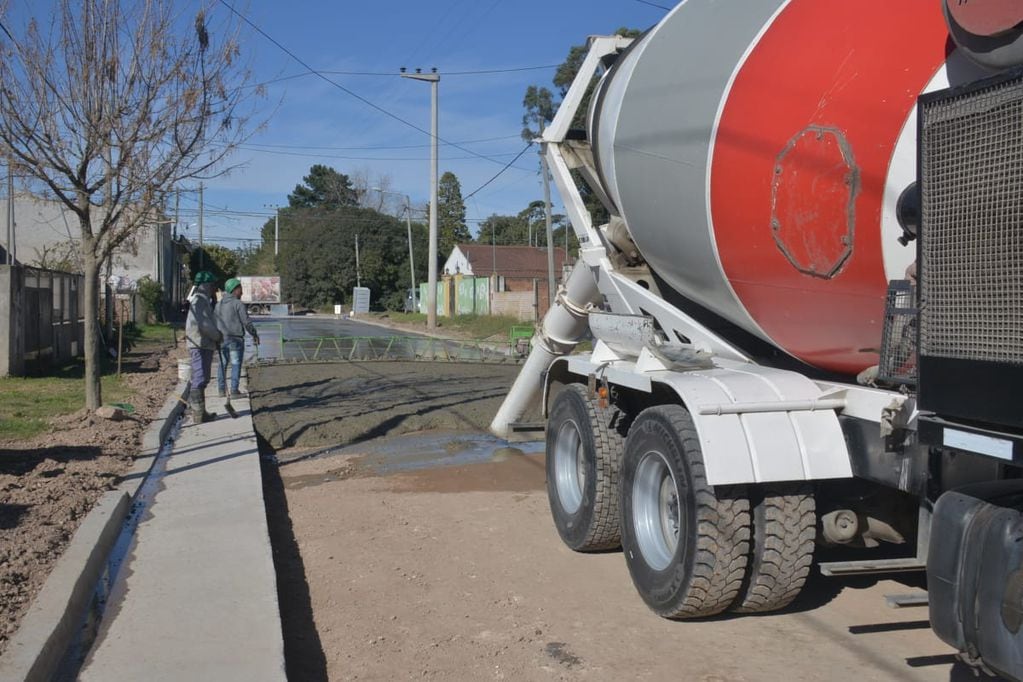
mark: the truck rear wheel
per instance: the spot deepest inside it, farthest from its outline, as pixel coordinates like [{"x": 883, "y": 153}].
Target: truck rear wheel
[
  {"x": 784, "y": 534},
  {"x": 584, "y": 453},
  {"x": 686, "y": 543}
]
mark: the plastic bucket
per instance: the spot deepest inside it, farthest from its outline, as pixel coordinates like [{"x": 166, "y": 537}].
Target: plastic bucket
[{"x": 184, "y": 370}]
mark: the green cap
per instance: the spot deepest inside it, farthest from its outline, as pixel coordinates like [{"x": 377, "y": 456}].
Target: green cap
[
  {"x": 204, "y": 277},
  {"x": 232, "y": 284}
]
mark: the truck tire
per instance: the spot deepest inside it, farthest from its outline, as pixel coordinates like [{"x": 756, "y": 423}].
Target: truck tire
[
  {"x": 784, "y": 534},
  {"x": 584, "y": 453},
  {"x": 686, "y": 543}
]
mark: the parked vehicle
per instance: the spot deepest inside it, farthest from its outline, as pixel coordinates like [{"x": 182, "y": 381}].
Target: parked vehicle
[{"x": 805, "y": 309}]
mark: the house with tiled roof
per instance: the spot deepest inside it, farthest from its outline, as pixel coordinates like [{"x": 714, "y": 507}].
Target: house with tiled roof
[{"x": 517, "y": 277}]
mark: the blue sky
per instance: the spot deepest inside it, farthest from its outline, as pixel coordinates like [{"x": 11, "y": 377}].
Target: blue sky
[{"x": 313, "y": 122}]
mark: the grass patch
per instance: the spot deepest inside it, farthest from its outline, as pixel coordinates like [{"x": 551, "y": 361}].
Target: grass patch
[
  {"x": 406, "y": 318},
  {"x": 28, "y": 403},
  {"x": 160, "y": 332},
  {"x": 491, "y": 327},
  {"x": 482, "y": 327}
]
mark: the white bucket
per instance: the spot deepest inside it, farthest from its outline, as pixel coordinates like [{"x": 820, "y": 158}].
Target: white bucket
[{"x": 184, "y": 370}]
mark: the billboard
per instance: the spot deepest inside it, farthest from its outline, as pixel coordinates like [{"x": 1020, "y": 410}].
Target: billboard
[{"x": 261, "y": 289}]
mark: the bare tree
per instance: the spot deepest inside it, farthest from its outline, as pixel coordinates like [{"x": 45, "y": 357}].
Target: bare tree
[
  {"x": 375, "y": 192},
  {"x": 110, "y": 104},
  {"x": 63, "y": 256}
]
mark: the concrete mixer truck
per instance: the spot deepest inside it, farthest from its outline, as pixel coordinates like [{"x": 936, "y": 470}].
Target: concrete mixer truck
[{"x": 806, "y": 309}]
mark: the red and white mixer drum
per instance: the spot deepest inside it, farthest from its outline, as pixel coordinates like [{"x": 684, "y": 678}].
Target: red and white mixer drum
[{"x": 757, "y": 151}]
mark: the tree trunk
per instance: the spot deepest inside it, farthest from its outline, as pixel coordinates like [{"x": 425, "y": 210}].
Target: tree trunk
[{"x": 93, "y": 390}]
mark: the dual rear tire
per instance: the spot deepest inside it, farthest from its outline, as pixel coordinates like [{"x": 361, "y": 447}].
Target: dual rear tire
[
  {"x": 693, "y": 550},
  {"x": 584, "y": 454}
]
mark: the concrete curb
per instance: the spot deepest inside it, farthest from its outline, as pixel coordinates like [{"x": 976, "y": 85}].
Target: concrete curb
[
  {"x": 52, "y": 622},
  {"x": 154, "y": 438}
]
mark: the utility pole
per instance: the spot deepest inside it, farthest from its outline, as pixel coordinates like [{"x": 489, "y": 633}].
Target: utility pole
[
  {"x": 408, "y": 225},
  {"x": 176, "y": 267},
  {"x": 433, "y": 78},
  {"x": 358, "y": 276},
  {"x": 202, "y": 254},
  {"x": 277, "y": 226},
  {"x": 547, "y": 219},
  {"x": 10, "y": 215},
  {"x": 411, "y": 262}
]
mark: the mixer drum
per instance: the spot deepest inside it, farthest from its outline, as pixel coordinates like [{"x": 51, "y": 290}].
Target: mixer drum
[{"x": 756, "y": 152}]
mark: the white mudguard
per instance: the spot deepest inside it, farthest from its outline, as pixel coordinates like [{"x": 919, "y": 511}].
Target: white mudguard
[{"x": 802, "y": 440}]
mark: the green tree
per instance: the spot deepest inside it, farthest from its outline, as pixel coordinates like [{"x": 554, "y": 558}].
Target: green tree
[
  {"x": 563, "y": 78},
  {"x": 220, "y": 260},
  {"x": 324, "y": 188},
  {"x": 540, "y": 109},
  {"x": 569, "y": 68},
  {"x": 504, "y": 230},
  {"x": 451, "y": 227},
  {"x": 151, "y": 293},
  {"x": 317, "y": 260}
]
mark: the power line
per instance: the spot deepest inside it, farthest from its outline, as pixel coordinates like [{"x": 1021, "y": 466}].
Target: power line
[
  {"x": 392, "y": 74},
  {"x": 282, "y": 152},
  {"x": 347, "y": 91},
  {"x": 654, "y": 4},
  {"x": 500, "y": 172},
  {"x": 517, "y": 136}
]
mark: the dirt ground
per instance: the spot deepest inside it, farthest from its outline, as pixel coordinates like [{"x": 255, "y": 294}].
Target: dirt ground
[
  {"x": 456, "y": 572},
  {"x": 49, "y": 483}
]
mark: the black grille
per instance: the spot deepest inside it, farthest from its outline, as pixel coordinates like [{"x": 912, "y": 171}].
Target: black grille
[
  {"x": 970, "y": 258},
  {"x": 971, "y": 242},
  {"x": 898, "y": 337}
]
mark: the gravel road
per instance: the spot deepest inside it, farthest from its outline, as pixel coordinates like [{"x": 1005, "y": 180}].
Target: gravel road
[{"x": 411, "y": 554}]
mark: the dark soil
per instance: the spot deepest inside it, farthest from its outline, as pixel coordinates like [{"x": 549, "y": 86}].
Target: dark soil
[{"x": 49, "y": 483}]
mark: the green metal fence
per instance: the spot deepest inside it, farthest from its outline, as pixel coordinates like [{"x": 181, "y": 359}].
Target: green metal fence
[{"x": 409, "y": 348}]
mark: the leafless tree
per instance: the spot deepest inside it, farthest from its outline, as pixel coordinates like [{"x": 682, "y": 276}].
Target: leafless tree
[
  {"x": 107, "y": 105},
  {"x": 63, "y": 256},
  {"x": 366, "y": 185}
]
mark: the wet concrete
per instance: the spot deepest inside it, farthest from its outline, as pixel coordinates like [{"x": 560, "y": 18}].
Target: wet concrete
[{"x": 335, "y": 405}]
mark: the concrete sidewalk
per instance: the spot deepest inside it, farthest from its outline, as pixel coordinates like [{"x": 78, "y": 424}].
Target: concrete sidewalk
[{"x": 196, "y": 597}]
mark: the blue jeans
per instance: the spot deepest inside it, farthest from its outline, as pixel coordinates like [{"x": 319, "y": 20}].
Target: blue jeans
[{"x": 231, "y": 350}]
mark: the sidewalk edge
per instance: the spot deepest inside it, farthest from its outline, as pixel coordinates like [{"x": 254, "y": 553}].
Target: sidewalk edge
[{"x": 51, "y": 623}]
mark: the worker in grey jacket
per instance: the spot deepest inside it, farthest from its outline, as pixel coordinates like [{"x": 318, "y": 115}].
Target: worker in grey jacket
[
  {"x": 202, "y": 337},
  {"x": 233, "y": 321}
]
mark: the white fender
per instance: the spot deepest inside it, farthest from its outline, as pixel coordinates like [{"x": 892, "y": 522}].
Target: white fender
[{"x": 742, "y": 438}]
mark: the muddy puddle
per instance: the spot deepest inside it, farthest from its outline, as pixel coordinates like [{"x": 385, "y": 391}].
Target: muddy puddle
[{"x": 434, "y": 461}]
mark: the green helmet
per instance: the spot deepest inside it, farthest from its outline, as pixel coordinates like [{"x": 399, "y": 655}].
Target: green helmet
[
  {"x": 204, "y": 277},
  {"x": 232, "y": 284}
]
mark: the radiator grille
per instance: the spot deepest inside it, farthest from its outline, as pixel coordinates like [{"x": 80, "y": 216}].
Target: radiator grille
[
  {"x": 971, "y": 235},
  {"x": 898, "y": 337}
]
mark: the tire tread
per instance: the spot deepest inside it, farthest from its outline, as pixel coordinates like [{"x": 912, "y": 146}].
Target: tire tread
[
  {"x": 722, "y": 523},
  {"x": 785, "y": 530}
]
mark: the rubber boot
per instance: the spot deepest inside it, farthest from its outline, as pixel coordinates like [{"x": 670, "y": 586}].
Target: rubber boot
[
  {"x": 200, "y": 401},
  {"x": 195, "y": 408}
]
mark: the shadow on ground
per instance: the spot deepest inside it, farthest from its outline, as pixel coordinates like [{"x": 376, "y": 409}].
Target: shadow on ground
[{"x": 303, "y": 652}]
